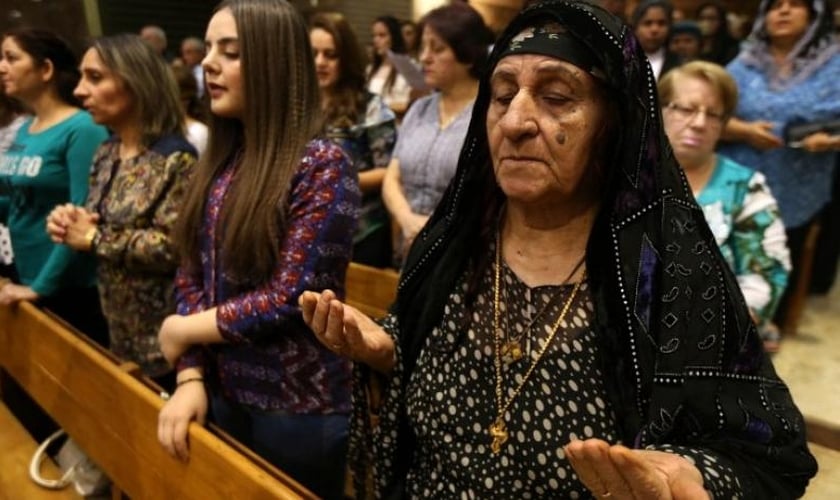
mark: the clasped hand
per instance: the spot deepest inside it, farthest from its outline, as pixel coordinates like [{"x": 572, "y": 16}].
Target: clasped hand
[
  {"x": 70, "y": 224},
  {"x": 619, "y": 473}
]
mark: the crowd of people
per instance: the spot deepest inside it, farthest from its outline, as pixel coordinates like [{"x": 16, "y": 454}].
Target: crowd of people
[{"x": 598, "y": 216}]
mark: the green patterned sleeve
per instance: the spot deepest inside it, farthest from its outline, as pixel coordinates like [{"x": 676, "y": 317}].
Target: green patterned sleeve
[{"x": 762, "y": 260}]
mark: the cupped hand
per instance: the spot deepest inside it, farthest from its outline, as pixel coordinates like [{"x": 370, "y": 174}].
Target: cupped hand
[
  {"x": 12, "y": 293},
  {"x": 346, "y": 331},
  {"x": 619, "y": 473},
  {"x": 189, "y": 403},
  {"x": 760, "y": 136}
]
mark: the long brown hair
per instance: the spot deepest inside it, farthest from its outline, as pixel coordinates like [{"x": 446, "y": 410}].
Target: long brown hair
[
  {"x": 348, "y": 101},
  {"x": 281, "y": 115}
]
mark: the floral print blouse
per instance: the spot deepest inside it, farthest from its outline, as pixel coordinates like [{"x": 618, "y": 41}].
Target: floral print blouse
[{"x": 137, "y": 200}]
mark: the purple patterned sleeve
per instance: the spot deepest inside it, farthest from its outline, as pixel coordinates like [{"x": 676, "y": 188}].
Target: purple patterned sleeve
[
  {"x": 189, "y": 294},
  {"x": 315, "y": 251}
]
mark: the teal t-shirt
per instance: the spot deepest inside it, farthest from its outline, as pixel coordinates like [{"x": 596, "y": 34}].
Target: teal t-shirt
[{"x": 39, "y": 171}]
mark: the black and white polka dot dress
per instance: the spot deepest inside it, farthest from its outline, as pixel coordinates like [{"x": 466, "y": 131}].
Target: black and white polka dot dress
[{"x": 451, "y": 398}]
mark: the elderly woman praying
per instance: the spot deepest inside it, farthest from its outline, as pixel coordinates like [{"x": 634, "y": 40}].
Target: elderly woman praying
[{"x": 565, "y": 324}]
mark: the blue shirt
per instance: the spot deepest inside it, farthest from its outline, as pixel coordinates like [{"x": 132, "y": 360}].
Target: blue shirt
[
  {"x": 39, "y": 171},
  {"x": 800, "y": 181},
  {"x": 428, "y": 154}
]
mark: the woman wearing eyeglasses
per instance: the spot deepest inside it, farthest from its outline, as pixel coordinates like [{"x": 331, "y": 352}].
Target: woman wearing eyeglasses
[{"x": 699, "y": 97}]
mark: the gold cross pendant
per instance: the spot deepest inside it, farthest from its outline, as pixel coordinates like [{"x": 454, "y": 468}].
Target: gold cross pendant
[
  {"x": 511, "y": 352},
  {"x": 499, "y": 432}
]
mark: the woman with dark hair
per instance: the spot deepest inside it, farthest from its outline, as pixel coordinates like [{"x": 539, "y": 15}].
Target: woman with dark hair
[
  {"x": 787, "y": 75},
  {"x": 382, "y": 77},
  {"x": 454, "y": 53},
  {"x": 411, "y": 37},
  {"x": 360, "y": 123},
  {"x": 137, "y": 185},
  {"x": 565, "y": 326},
  {"x": 719, "y": 46},
  {"x": 47, "y": 164},
  {"x": 651, "y": 21},
  {"x": 271, "y": 212}
]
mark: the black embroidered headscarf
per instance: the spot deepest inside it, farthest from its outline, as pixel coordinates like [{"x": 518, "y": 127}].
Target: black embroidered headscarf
[{"x": 682, "y": 360}]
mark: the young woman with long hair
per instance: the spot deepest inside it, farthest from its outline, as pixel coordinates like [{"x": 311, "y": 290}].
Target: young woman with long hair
[{"x": 271, "y": 212}]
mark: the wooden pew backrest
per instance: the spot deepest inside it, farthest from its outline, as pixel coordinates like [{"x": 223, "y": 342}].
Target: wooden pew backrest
[
  {"x": 113, "y": 417},
  {"x": 371, "y": 290}
]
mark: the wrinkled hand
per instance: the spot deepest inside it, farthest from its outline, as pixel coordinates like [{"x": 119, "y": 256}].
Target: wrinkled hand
[
  {"x": 12, "y": 294},
  {"x": 620, "y": 473},
  {"x": 760, "y": 136},
  {"x": 820, "y": 142},
  {"x": 169, "y": 337},
  {"x": 346, "y": 331},
  {"x": 187, "y": 404}
]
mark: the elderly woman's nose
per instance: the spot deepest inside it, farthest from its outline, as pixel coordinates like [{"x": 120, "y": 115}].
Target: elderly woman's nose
[{"x": 520, "y": 117}]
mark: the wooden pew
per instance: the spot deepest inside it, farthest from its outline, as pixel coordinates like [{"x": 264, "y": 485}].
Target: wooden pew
[
  {"x": 371, "y": 290},
  {"x": 112, "y": 415}
]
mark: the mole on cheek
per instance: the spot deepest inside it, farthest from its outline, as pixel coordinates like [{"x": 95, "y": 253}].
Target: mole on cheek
[{"x": 560, "y": 138}]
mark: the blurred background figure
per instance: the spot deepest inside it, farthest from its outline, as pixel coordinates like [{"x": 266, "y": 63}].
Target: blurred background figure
[
  {"x": 651, "y": 21},
  {"x": 270, "y": 212},
  {"x": 360, "y": 123},
  {"x": 138, "y": 181},
  {"x": 155, "y": 37},
  {"x": 411, "y": 37},
  {"x": 697, "y": 99},
  {"x": 12, "y": 116},
  {"x": 194, "y": 109},
  {"x": 615, "y": 7},
  {"x": 719, "y": 46},
  {"x": 454, "y": 51},
  {"x": 685, "y": 41},
  {"x": 382, "y": 78},
  {"x": 787, "y": 74},
  {"x": 192, "y": 52}
]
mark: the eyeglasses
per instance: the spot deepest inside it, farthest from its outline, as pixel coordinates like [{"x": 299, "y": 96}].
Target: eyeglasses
[{"x": 687, "y": 113}]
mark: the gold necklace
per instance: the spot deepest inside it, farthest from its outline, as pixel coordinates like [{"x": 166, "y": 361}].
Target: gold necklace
[
  {"x": 512, "y": 347},
  {"x": 498, "y": 429}
]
